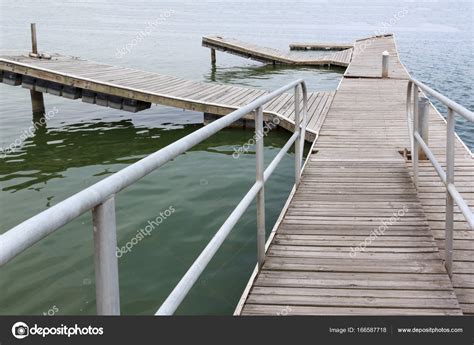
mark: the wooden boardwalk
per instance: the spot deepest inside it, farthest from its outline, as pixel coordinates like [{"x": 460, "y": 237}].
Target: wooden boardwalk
[
  {"x": 113, "y": 85},
  {"x": 357, "y": 238},
  {"x": 271, "y": 55}
]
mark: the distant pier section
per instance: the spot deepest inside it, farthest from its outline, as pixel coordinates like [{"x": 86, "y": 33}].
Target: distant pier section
[{"x": 274, "y": 56}]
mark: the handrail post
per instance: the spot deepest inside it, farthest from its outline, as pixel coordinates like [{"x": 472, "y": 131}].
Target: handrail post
[
  {"x": 297, "y": 142},
  {"x": 106, "y": 265},
  {"x": 449, "y": 226},
  {"x": 410, "y": 113},
  {"x": 303, "y": 123},
  {"x": 423, "y": 124},
  {"x": 260, "y": 168},
  {"x": 416, "y": 145}
]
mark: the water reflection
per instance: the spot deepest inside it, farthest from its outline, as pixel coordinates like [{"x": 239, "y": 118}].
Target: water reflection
[
  {"x": 267, "y": 76},
  {"x": 50, "y": 152}
]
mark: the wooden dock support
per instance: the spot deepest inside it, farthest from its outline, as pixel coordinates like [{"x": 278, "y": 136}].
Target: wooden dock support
[
  {"x": 213, "y": 56},
  {"x": 37, "y": 101}
]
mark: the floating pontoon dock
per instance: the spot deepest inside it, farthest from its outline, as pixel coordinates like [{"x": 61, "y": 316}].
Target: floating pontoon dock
[{"x": 135, "y": 90}]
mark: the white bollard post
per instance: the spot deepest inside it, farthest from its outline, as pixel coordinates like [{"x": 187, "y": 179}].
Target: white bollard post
[{"x": 385, "y": 56}]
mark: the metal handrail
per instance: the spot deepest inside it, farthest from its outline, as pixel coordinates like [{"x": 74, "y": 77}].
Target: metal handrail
[
  {"x": 100, "y": 198},
  {"x": 418, "y": 118}
]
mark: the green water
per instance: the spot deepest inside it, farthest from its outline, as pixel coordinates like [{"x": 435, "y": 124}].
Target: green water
[{"x": 202, "y": 186}]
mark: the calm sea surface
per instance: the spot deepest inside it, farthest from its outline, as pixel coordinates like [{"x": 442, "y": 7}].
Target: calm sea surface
[{"x": 83, "y": 143}]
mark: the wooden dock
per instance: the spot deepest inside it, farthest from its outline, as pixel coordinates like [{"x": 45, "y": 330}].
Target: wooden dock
[
  {"x": 356, "y": 237},
  {"x": 327, "y": 254},
  {"x": 119, "y": 87},
  {"x": 271, "y": 55}
]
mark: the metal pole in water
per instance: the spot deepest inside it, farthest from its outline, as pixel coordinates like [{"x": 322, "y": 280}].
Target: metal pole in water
[
  {"x": 385, "y": 56},
  {"x": 423, "y": 124},
  {"x": 34, "y": 42}
]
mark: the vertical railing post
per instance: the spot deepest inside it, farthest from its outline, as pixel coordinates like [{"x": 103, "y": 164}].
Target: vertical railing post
[
  {"x": 106, "y": 265},
  {"x": 410, "y": 113},
  {"x": 297, "y": 142},
  {"x": 261, "y": 194},
  {"x": 416, "y": 145},
  {"x": 423, "y": 124},
  {"x": 385, "y": 56},
  {"x": 449, "y": 226},
  {"x": 303, "y": 123}
]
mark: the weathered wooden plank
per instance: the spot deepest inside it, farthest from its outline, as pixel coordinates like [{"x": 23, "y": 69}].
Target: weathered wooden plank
[
  {"x": 339, "y": 301},
  {"x": 296, "y": 291},
  {"x": 258, "y": 309}
]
